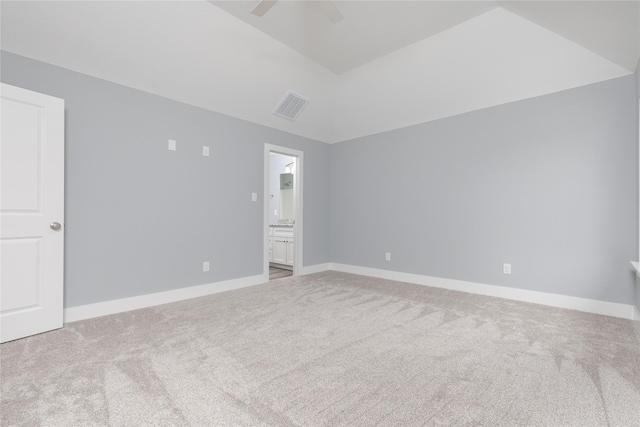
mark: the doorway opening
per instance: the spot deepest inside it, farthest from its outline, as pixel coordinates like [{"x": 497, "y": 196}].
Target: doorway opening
[{"x": 283, "y": 189}]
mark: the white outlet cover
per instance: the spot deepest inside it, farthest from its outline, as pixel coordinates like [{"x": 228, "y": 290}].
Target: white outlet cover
[
  {"x": 254, "y": 197},
  {"x": 387, "y": 256},
  {"x": 506, "y": 268},
  {"x": 205, "y": 151},
  {"x": 172, "y": 145},
  {"x": 205, "y": 266}
]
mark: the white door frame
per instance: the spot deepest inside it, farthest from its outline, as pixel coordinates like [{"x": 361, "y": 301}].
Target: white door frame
[{"x": 297, "y": 201}]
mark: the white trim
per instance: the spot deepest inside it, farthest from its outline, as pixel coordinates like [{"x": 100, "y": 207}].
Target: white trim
[
  {"x": 636, "y": 265},
  {"x": 317, "y": 268},
  {"x": 105, "y": 308},
  {"x": 625, "y": 311},
  {"x": 298, "y": 191},
  {"x": 73, "y": 314}
]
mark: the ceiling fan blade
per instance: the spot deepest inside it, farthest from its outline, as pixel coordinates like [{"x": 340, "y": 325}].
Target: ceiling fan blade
[
  {"x": 332, "y": 11},
  {"x": 263, "y": 7}
]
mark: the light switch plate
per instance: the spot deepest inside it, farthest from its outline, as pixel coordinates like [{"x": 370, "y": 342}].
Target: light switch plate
[
  {"x": 205, "y": 151},
  {"x": 172, "y": 145},
  {"x": 254, "y": 197}
]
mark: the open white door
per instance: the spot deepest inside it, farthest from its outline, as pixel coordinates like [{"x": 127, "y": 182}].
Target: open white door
[{"x": 32, "y": 212}]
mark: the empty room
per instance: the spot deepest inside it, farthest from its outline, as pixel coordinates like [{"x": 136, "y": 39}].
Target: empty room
[{"x": 320, "y": 213}]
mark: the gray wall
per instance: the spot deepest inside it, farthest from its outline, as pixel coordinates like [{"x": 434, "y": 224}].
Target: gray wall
[
  {"x": 547, "y": 184},
  {"x": 141, "y": 219}
]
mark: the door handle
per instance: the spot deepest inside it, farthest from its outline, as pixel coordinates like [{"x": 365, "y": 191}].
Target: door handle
[{"x": 55, "y": 226}]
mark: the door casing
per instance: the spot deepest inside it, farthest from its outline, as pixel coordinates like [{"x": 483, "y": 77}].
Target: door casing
[{"x": 298, "y": 191}]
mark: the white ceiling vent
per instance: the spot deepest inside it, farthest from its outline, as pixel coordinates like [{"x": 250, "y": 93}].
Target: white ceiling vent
[{"x": 290, "y": 106}]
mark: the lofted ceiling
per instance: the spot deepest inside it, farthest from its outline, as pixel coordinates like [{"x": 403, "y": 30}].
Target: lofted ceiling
[
  {"x": 386, "y": 65},
  {"x": 371, "y": 29},
  {"x": 376, "y": 28}
]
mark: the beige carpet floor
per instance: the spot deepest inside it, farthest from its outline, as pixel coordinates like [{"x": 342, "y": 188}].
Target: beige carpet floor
[{"x": 329, "y": 349}]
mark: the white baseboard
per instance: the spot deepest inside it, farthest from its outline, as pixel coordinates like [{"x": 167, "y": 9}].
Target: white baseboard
[
  {"x": 318, "y": 268},
  {"x": 73, "y": 314},
  {"x": 105, "y": 308},
  {"x": 625, "y": 311},
  {"x": 637, "y": 307}
]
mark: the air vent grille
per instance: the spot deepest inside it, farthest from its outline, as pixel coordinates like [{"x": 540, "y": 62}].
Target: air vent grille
[{"x": 290, "y": 106}]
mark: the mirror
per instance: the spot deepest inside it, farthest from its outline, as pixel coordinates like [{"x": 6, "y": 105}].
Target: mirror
[
  {"x": 282, "y": 183},
  {"x": 286, "y": 193}
]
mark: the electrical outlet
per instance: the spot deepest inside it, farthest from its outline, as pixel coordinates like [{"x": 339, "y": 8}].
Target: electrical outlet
[
  {"x": 387, "y": 256},
  {"x": 172, "y": 145},
  {"x": 275, "y": 211},
  {"x": 506, "y": 268},
  {"x": 205, "y": 266},
  {"x": 254, "y": 197},
  {"x": 205, "y": 151}
]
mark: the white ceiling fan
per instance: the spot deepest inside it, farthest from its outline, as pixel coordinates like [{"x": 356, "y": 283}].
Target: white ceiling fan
[{"x": 330, "y": 7}]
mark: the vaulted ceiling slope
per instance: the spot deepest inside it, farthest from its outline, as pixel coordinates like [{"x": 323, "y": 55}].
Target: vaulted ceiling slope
[{"x": 386, "y": 65}]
